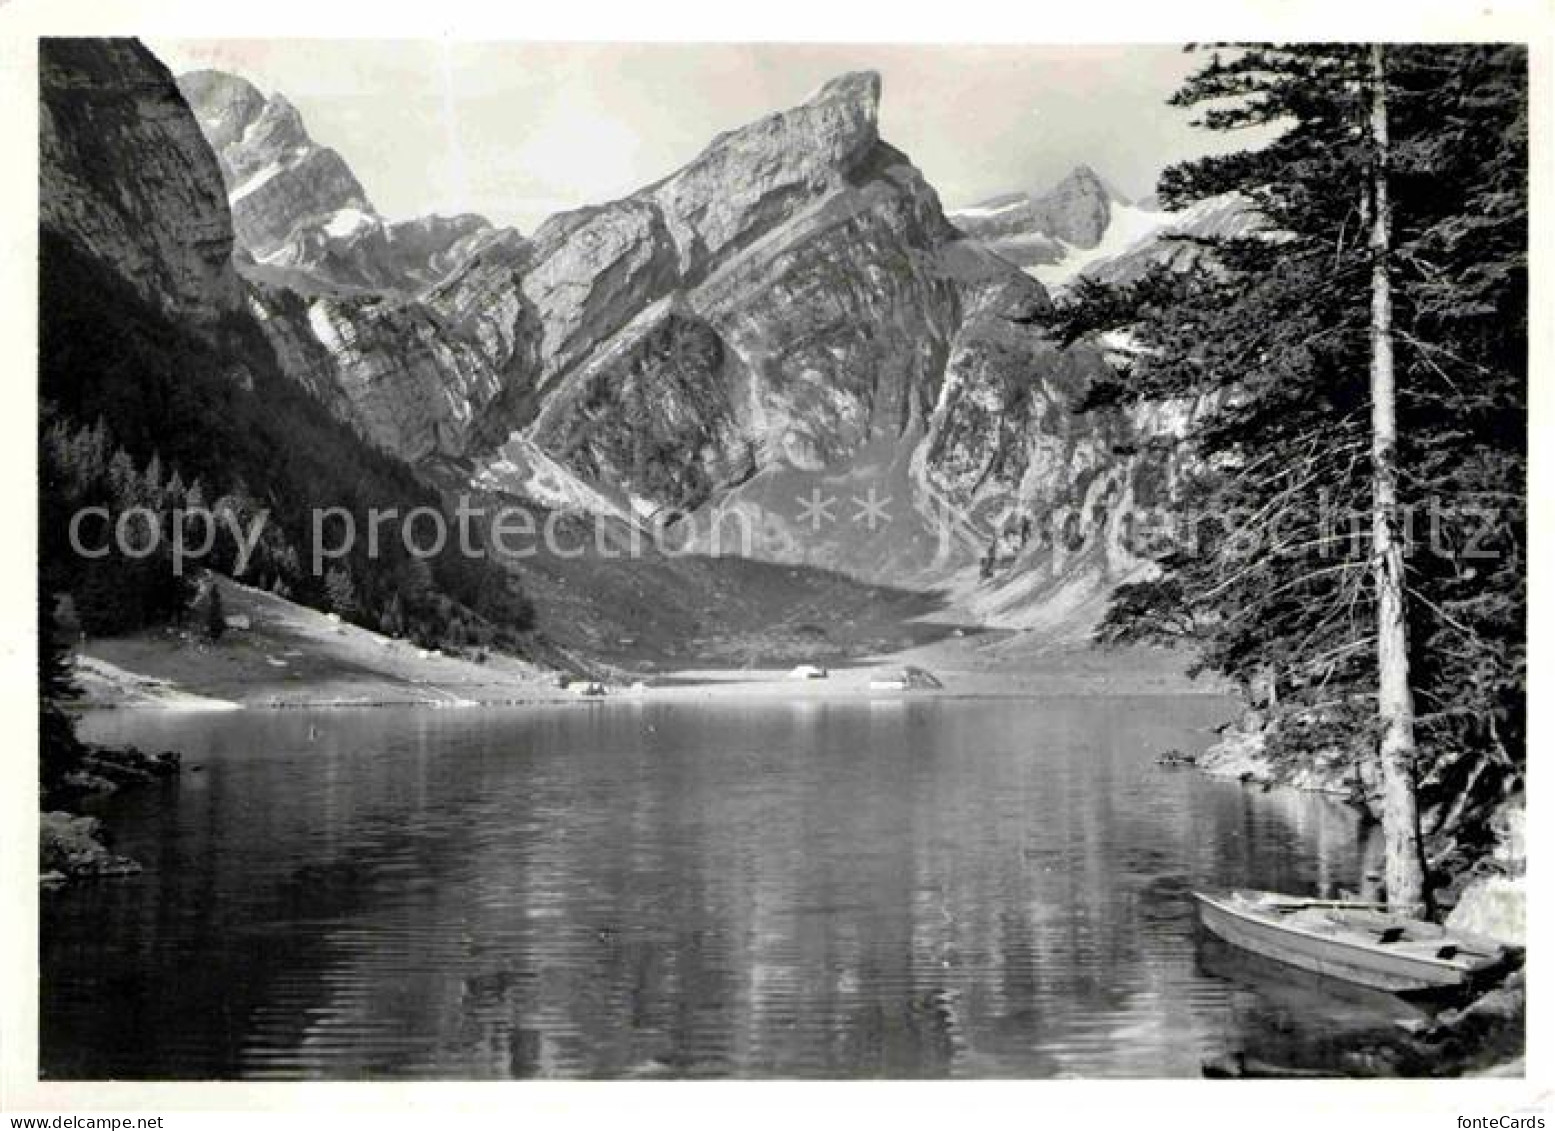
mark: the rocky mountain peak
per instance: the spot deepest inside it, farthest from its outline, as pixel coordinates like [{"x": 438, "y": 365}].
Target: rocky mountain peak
[
  {"x": 1084, "y": 228},
  {"x": 225, "y": 105},
  {"x": 861, "y": 88},
  {"x": 665, "y": 345},
  {"x": 1077, "y": 210},
  {"x": 753, "y": 176},
  {"x": 279, "y": 127},
  {"x": 1040, "y": 229},
  {"x": 249, "y": 132},
  {"x": 1082, "y": 175},
  {"x": 298, "y": 210}
]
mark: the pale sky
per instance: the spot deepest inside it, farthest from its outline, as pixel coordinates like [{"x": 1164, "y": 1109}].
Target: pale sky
[{"x": 517, "y": 131}]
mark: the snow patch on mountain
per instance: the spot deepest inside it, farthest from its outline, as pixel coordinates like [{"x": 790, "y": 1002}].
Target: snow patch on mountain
[
  {"x": 348, "y": 220},
  {"x": 256, "y": 181},
  {"x": 1131, "y": 227},
  {"x": 982, "y": 211},
  {"x": 299, "y": 212},
  {"x": 1137, "y": 235}
]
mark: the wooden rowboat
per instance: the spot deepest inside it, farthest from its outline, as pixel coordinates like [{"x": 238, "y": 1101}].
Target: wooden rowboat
[{"x": 1354, "y": 942}]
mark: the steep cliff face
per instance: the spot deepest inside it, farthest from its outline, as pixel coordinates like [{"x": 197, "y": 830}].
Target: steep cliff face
[
  {"x": 299, "y": 213},
  {"x": 786, "y": 296},
  {"x": 333, "y": 283},
  {"x": 147, "y": 353},
  {"x": 1086, "y": 493},
  {"x": 418, "y": 377},
  {"x": 786, "y": 302},
  {"x": 388, "y": 366},
  {"x": 167, "y": 229},
  {"x": 792, "y": 320}
]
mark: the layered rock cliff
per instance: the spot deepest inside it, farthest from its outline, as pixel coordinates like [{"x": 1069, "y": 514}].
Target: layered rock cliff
[
  {"x": 167, "y": 230},
  {"x": 793, "y": 309}
]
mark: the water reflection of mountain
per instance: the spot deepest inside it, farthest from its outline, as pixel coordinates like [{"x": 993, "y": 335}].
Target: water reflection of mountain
[{"x": 822, "y": 890}]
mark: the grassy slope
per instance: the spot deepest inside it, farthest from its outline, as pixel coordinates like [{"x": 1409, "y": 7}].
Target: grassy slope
[{"x": 293, "y": 655}]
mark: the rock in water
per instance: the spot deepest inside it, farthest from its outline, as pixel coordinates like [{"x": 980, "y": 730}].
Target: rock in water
[{"x": 72, "y": 846}]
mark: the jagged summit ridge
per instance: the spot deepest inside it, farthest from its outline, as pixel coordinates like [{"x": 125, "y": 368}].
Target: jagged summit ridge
[
  {"x": 276, "y": 175},
  {"x": 757, "y": 170},
  {"x": 228, "y": 104},
  {"x": 860, "y": 87},
  {"x": 299, "y": 213}
]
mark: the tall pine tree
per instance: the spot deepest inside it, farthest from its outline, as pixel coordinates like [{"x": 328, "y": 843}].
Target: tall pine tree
[{"x": 1358, "y": 366}]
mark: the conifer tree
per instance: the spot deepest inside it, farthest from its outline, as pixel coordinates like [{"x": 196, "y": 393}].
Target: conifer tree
[
  {"x": 341, "y": 592},
  {"x": 1405, "y": 877},
  {"x": 1357, "y": 363},
  {"x": 215, "y": 615}
]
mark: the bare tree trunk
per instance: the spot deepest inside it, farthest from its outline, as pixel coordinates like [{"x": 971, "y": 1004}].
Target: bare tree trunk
[{"x": 1405, "y": 870}]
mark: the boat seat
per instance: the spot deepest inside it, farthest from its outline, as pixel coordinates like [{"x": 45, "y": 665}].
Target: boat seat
[{"x": 1390, "y": 934}]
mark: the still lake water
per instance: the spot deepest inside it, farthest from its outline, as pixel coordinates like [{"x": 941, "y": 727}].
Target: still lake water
[{"x": 816, "y": 889}]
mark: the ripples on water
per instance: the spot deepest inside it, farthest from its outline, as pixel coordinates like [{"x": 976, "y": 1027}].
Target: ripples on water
[{"x": 932, "y": 888}]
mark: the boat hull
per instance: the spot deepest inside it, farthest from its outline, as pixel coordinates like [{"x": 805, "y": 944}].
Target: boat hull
[{"x": 1339, "y": 956}]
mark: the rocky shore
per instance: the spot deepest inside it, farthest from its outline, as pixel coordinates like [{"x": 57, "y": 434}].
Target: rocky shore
[
  {"x": 1479, "y": 858},
  {"x": 1478, "y": 854},
  {"x": 74, "y": 847}
]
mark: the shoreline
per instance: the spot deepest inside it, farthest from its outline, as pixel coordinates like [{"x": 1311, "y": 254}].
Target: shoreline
[
  {"x": 288, "y": 657},
  {"x": 755, "y": 691},
  {"x": 692, "y": 685}
]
